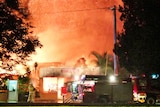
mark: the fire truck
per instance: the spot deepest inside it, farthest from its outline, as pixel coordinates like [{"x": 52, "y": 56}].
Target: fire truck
[
  {"x": 146, "y": 89},
  {"x": 107, "y": 90}
]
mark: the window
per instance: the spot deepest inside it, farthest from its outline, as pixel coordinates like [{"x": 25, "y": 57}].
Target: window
[{"x": 50, "y": 84}]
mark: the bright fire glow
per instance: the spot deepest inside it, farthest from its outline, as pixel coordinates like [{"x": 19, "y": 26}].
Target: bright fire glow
[
  {"x": 50, "y": 84},
  {"x": 70, "y": 29},
  {"x": 53, "y": 84}
]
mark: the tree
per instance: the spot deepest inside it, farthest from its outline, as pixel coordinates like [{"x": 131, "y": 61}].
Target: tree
[
  {"x": 17, "y": 41},
  {"x": 137, "y": 45},
  {"x": 103, "y": 61}
]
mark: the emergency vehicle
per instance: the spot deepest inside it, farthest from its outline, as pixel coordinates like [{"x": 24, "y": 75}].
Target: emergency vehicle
[
  {"x": 107, "y": 89},
  {"x": 146, "y": 89},
  {"x": 114, "y": 89}
]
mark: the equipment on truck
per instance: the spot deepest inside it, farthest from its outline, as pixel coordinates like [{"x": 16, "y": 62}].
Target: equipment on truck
[{"x": 108, "y": 90}]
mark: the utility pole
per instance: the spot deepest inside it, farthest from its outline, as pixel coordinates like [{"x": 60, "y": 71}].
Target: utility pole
[{"x": 115, "y": 35}]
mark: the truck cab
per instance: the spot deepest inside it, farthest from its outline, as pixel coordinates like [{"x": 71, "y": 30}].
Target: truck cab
[{"x": 146, "y": 89}]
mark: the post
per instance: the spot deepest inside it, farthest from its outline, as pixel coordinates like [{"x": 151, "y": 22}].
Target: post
[
  {"x": 63, "y": 92},
  {"x": 63, "y": 98},
  {"x": 115, "y": 35},
  {"x": 106, "y": 64}
]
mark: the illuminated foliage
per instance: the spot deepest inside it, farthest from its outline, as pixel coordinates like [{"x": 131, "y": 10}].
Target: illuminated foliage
[
  {"x": 137, "y": 46},
  {"x": 17, "y": 41},
  {"x": 101, "y": 59},
  {"x": 104, "y": 61}
]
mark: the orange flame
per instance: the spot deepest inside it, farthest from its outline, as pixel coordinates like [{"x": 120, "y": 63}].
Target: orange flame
[{"x": 70, "y": 29}]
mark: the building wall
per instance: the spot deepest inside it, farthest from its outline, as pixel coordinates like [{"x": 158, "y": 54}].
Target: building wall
[{"x": 56, "y": 75}]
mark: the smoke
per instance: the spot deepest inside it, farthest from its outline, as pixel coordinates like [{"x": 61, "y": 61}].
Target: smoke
[
  {"x": 70, "y": 29},
  {"x": 24, "y": 3}
]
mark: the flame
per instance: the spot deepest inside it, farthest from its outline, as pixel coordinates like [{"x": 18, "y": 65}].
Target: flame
[{"x": 70, "y": 29}]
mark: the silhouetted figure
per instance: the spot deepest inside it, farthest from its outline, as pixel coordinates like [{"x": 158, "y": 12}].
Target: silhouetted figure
[{"x": 31, "y": 96}]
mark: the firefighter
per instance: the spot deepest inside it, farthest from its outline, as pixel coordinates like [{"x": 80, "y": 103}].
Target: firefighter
[{"x": 32, "y": 91}]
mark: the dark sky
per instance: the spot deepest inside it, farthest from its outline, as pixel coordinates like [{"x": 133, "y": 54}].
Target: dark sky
[{"x": 70, "y": 29}]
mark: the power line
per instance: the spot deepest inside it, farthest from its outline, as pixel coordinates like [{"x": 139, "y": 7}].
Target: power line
[{"x": 104, "y": 8}]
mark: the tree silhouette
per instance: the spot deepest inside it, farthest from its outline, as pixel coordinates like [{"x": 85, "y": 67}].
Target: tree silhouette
[
  {"x": 17, "y": 41},
  {"x": 137, "y": 46}
]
